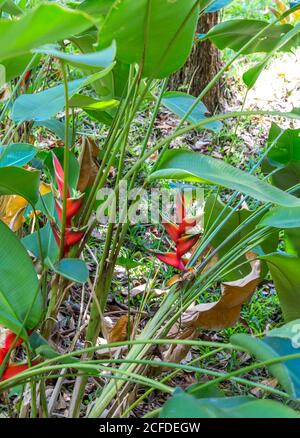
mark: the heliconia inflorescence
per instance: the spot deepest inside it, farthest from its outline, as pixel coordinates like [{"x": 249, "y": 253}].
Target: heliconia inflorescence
[
  {"x": 73, "y": 206},
  {"x": 178, "y": 233},
  {"x": 10, "y": 370}
]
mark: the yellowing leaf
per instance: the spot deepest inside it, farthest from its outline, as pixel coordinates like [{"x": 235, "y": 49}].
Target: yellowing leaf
[
  {"x": 11, "y": 212},
  {"x": 44, "y": 188},
  {"x": 295, "y": 16},
  {"x": 12, "y": 208},
  {"x": 281, "y": 6}
]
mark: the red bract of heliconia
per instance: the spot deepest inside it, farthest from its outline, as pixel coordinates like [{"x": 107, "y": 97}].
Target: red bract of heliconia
[
  {"x": 178, "y": 233},
  {"x": 11, "y": 370},
  {"x": 73, "y": 206}
]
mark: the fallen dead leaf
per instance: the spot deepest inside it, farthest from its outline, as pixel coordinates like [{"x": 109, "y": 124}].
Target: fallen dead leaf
[
  {"x": 177, "y": 353},
  {"x": 218, "y": 315},
  {"x": 120, "y": 330},
  {"x": 259, "y": 392}
]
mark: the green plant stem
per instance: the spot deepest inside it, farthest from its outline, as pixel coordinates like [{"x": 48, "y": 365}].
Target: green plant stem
[
  {"x": 140, "y": 163},
  {"x": 19, "y": 334},
  {"x": 14, "y": 91},
  {"x": 43, "y": 399},
  {"x": 166, "y": 379},
  {"x": 211, "y": 234},
  {"x": 111, "y": 143},
  {"x": 107, "y": 261},
  {"x": 66, "y": 161},
  {"x": 88, "y": 366},
  {"x": 32, "y": 387},
  {"x": 88, "y": 210}
]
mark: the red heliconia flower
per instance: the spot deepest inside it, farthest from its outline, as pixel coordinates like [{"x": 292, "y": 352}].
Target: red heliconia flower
[
  {"x": 185, "y": 243},
  {"x": 59, "y": 177},
  {"x": 172, "y": 259},
  {"x": 73, "y": 206},
  {"x": 173, "y": 230},
  {"x": 11, "y": 369},
  {"x": 178, "y": 233}
]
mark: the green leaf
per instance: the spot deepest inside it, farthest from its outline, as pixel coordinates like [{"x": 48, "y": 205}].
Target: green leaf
[
  {"x": 96, "y": 7},
  {"x": 46, "y": 104},
  {"x": 279, "y": 342},
  {"x": 72, "y": 269},
  {"x": 18, "y": 284},
  {"x": 292, "y": 241},
  {"x": 45, "y": 24},
  {"x": 211, "y": 391},
  {"x": 216, "y": 5},
  {"x": 14, "y": 67},
  {"x": 286, "y": 146},
  {"x": 127, "y": 263},
  {"x": 91, "y": 104},
  {"x": 57, "y": 127},
  {"x": 101, "y": 59},
  {"x": 284, "y": 269},
  {"x": 183, "y": 405},
  {"x": 213, "y": 208},
  {"x": 287, "y": 177},
  {"x": 48, "y": 243},
  {"x": 284, "y": 156},
  {"x": 41, "y": 347},
  {"x": 11, "y": 8},
  {"x": 190, "y": 166},
  {"x": 251, "y": 76},
  {"x": 282, "y": 217},
  {"x": 235, "y": 34},
  {"x": 104, "y": 117},
  {"x": 171, "y": 28},
  {"x": 17, "y": 181},
  {"x": 180, "y": 103},
  {"x": 16, "y": 154}
]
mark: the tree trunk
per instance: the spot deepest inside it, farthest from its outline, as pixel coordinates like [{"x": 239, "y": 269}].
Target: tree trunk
[{"x": 202, "y": 65}]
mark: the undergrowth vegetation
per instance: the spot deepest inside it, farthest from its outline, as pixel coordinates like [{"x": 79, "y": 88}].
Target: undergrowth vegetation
[{"x": 149, "y": 262}]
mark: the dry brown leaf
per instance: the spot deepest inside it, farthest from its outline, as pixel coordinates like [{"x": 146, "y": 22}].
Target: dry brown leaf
[
  {"x": 211, "y": 263},
  {"x": 225, "y": 312},
  {"x": 119, "y": 331},
  {"x": 88, "y": 164},
  {"x": 177, "y": 353},
  {"x": 4, "y": 93},
  {"x": 212, "y": 316},
  {"x": 13, "y": 206},
  {"x": 137, "y": 290},
  {"x": 259, "y": 392}
]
